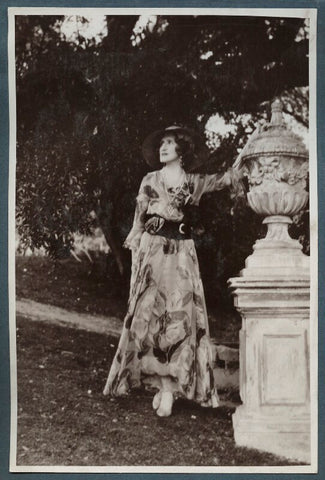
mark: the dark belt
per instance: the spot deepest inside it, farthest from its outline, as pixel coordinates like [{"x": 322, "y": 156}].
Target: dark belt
[{"x": 169, "y": 229}]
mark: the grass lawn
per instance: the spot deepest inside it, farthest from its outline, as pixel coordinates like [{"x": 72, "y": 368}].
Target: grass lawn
[
  {"x": 82, "y": 287},
  {"x": 63, "y": 418},
  {"x": 85, "y": 287}
]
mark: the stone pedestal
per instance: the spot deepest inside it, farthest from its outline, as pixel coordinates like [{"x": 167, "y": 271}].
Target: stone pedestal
[{"x": 272, "y": 296}]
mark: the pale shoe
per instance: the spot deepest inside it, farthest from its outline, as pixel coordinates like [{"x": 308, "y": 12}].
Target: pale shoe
[
  {"x": 166, "y": 404},
  {"x": 156, "y": 400}
]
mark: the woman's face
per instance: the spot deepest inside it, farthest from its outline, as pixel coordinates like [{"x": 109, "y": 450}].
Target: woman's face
[{"x": 167, "y": 149}]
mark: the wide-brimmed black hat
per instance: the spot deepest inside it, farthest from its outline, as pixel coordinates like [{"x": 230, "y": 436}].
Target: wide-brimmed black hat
[{"x": 150, "y": 147}]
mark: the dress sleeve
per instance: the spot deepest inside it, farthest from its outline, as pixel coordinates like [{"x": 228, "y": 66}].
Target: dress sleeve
[
  {"x": 132, "y": 241},
  {"x": 210, "y": 183}
]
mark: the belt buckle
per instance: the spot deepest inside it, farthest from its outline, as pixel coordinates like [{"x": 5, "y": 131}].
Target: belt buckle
[{"x": 181, "y": 228}]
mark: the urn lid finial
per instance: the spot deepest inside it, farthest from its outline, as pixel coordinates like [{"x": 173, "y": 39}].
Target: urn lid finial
[{"x": 276, "y": 109}]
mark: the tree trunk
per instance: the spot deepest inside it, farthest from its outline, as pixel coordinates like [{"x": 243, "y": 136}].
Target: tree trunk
[{"x": 105, "y": 215}]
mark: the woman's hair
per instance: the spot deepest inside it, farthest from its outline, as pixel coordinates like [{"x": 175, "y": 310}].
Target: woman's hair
[{"x": 184, "y": 147}]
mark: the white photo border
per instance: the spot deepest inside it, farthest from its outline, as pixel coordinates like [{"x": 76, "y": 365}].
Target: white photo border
[{"x": 310, "y": 13}]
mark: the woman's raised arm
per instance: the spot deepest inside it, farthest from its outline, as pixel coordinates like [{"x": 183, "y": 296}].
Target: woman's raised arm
[{"x": 209, "y": 183}]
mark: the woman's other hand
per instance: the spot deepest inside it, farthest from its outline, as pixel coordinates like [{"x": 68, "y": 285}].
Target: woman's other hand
[{"x": 154, "y": 224}]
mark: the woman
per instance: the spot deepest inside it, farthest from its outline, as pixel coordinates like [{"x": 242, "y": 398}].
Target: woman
[{"x": 165, "y": 340}]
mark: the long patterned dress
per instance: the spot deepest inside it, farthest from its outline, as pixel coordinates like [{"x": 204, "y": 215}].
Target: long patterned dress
[{"x": 165, "y": 331}]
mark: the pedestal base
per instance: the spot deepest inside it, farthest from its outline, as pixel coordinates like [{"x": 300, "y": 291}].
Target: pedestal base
[
  {"x": 274, "y": 365},
  {"x": 280, "y": 435}
]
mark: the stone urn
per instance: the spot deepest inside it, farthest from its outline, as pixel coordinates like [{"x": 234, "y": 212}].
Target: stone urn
[
  {"x": 275, "y": 161},
  {"x": 272, "y": 295}
]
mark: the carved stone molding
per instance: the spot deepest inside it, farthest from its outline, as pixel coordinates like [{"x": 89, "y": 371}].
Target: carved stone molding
[{"x": 293, "y": 171}]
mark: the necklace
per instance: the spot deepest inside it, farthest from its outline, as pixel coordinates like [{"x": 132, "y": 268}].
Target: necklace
[
  {"x": 178, "y": 185},
  {"x": 171, "y": 195}
]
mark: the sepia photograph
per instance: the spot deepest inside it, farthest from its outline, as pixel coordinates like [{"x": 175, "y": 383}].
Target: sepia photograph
[{"x": 163, "y": 240}]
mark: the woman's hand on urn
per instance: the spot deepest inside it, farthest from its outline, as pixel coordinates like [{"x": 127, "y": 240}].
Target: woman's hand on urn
[
  {"x": 237, "y": 186},
  {"x": 238, "y": 171}
]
